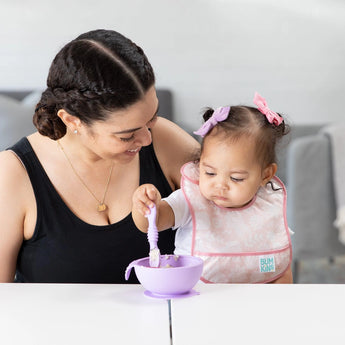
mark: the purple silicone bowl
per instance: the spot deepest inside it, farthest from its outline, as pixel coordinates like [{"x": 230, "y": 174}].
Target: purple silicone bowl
[{"x": 180, "y": 278}]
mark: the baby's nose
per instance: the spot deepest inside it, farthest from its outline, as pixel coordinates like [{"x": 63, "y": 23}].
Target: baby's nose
[{"x": 222, "y": 183}]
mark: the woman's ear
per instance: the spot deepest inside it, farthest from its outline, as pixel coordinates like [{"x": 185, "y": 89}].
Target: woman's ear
[
  {"x": 71, "y": 122},
  {"x": 268, "y": 173}
]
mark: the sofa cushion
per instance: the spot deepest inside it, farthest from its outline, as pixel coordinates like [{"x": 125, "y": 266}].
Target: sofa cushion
[
  {"x": 32, "y": 98},
  {"x": 297, "y": 131},
  {"x": 15, "y": 121}
]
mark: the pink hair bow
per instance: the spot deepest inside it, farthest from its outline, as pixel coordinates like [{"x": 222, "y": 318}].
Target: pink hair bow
[
  {"x": 271, "y": 116},
  {"x": 220, "y": 114}
]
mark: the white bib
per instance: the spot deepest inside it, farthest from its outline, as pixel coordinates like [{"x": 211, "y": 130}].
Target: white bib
[{"x": 244, "y": 245}]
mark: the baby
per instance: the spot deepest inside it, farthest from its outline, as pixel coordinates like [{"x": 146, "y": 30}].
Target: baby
[{"x": 231, "y": 208}]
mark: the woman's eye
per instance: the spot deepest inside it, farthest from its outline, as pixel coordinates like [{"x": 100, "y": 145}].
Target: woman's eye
[
  {"x": 151, "y": 123},
  {"x": 128, "y": 139},
  {"x": 153, "y": 119}
]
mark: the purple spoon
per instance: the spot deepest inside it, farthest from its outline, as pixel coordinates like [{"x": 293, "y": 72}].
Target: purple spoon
[{"x": 152, "y": 236}]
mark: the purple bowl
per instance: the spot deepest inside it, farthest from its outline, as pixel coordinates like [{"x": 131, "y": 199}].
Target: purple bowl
[{"x": 176, "y": 275}]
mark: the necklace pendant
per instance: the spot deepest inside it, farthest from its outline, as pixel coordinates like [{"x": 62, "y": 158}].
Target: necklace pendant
[{"x": 101, "y": 207}]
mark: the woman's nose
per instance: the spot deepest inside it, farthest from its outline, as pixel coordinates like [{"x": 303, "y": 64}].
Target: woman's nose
[{"x": 143, "y": 136}]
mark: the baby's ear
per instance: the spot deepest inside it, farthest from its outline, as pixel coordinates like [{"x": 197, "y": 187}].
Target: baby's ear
[{"x": 268, "y": 173}]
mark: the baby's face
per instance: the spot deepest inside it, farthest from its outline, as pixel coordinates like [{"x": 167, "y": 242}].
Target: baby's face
[{"x": 230, "y": 174}]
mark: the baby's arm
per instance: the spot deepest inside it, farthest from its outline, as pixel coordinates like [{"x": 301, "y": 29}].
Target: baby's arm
[{"x": 145, "y": 197}]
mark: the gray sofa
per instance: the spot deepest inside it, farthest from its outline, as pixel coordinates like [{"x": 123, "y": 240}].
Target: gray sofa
[
  {"x": 305, "y": 165},
  {"x": 16, "y": 111},
  {"x": 311, "y": 199}
]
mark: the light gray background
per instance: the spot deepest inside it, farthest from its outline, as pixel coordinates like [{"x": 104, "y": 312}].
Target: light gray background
[{"x": 209, "y": 52}]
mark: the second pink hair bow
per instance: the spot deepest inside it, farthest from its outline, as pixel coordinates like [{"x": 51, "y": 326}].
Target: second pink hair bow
[
  {"x": 220, "y": 114},
  {"x": 271, "y": 116}
]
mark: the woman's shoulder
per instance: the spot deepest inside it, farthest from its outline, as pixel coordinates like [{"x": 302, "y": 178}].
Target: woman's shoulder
[
  {"x": 174, "y": 147},
  {"x": 14, "y": 181},
  {"x": 166, "y": 126},
  {"x": 170, "y": 136},
  {"x": 11, "y": 165}
]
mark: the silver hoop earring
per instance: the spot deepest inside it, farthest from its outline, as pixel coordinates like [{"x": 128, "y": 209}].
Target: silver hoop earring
[{"x": 75, "y": 131}]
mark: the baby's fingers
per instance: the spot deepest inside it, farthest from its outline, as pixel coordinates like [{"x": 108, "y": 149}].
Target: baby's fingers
[
  {"x": 141, "y": 201},
  {"x": 152, "y": 195},
  {"x": 140, "y": 206}
]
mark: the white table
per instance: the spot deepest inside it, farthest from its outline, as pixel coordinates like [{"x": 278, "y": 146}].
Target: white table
[
  {"x": 260, "y": 314},
  {"x": 66, "y": 314},
  {"x": 73, "y": 314}
]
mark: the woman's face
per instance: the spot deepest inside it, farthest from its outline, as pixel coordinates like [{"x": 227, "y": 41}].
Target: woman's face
[{"x": 125, "y": 132}]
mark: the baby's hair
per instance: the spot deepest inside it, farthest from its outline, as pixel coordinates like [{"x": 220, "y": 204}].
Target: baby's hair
[
  {"x": 245, "y": 121},
  {"x": 99, "y": 72}
]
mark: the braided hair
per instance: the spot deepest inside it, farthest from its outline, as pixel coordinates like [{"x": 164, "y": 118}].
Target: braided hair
[{"x": 98, "y": 72}]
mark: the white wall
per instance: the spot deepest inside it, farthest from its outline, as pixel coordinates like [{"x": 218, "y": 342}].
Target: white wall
[{"x": 209, "y": 52}]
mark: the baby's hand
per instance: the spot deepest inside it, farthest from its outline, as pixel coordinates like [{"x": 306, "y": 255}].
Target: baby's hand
[{"x": 145, "y": 197}]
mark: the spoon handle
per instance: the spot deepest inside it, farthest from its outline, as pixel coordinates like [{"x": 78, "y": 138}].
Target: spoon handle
[
  {"x": 152, "y": 233},
  {"x": 152, "y": 236}
]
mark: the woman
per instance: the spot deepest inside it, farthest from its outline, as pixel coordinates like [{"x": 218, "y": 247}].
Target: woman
[{"x": 66, "y": 190}]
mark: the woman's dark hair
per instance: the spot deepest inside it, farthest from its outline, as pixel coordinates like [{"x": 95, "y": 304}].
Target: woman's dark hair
[
  {"x": 98, "y": 72},
  {"x": 251, "y": 123}
]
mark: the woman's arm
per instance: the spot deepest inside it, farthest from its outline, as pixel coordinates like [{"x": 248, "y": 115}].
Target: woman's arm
[
  {"x": 13, "y": 183},
  {"x": 174, "y": 147},
  {"x": 286, "y": 278}
]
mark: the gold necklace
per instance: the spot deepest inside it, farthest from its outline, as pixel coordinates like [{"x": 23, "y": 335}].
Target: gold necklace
[{"x": 101, "y": 205}]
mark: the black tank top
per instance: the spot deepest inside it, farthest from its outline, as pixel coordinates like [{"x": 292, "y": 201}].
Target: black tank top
[{"x": 65, "y": 249}]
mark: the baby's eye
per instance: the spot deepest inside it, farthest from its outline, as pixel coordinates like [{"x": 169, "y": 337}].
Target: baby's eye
[
  {"x": 236, "y": 179},
  {"x": 128, "y": 139},
  {"x": 209, "y": 173}
]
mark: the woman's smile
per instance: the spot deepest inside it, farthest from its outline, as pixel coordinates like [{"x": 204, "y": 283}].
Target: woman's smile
[{"x": 133, "y": 152}]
